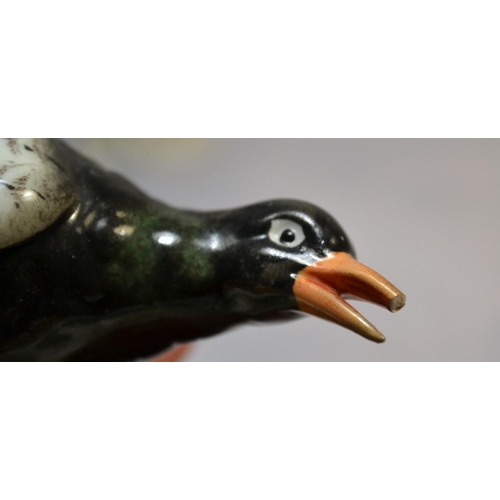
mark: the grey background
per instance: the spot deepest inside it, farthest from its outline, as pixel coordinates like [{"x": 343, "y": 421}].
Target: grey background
[{"x": 423, "y": 213}]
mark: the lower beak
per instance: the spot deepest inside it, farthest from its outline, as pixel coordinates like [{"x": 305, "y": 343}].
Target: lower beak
[{"x": 320, "y": 289}]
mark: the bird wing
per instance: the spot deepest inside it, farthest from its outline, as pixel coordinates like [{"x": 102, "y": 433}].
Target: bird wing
[{"x": 35, "y": 191}]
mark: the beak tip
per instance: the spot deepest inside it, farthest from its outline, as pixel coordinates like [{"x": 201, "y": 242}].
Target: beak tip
[
  {"x": 396, "y": 303},
  {"x": 378, "y": 338}
]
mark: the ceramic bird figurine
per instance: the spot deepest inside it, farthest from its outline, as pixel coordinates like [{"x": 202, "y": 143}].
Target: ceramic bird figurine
[{"x": 93, "y": 269}]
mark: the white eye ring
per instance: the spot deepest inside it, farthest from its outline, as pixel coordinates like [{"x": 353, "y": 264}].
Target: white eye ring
[{"x": 282, "y": 230}]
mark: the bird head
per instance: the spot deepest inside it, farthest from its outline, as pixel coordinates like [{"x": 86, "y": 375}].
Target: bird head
[{"x": 292, "y": 254}]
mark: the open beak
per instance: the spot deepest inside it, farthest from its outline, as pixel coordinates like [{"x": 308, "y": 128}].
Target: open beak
[{"x": 320, "y": 289}]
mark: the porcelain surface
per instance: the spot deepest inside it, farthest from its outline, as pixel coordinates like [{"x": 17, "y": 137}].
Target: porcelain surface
[{"x": 104, "y": 272}]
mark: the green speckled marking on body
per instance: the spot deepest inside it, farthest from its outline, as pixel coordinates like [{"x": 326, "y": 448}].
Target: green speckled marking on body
[
  {"x": 196, "y": 266},
  {"x": 137, "y": 259}
]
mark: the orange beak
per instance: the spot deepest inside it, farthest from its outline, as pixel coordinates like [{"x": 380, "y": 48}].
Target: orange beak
[{"x": 320, "y": 290}]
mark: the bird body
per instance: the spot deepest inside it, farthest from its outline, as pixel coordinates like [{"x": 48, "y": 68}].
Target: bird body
[{"x": 93, "y": 269}]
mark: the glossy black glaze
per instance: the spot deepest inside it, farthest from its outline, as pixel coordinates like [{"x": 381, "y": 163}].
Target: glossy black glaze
[{"x": 122, "y": 276}]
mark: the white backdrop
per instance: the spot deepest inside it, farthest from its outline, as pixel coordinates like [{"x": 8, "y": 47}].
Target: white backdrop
[{"x": 423, "y": 213}]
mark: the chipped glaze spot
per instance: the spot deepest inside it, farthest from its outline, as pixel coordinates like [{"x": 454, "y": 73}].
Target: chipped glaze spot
[
  {"x": 124, "y": 230},
  {"x": 89, "y": 219},
  {"x": 34, "y": 191}
]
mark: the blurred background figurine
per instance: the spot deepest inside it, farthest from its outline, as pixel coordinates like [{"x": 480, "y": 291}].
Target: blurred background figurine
[{"x": 93, "y": 269}]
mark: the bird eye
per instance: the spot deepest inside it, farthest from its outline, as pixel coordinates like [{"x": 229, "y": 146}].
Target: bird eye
[{"x": 286, "y": 233}]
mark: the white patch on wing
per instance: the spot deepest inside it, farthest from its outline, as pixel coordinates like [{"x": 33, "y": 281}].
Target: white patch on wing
[{"x": 34, "y": 191}]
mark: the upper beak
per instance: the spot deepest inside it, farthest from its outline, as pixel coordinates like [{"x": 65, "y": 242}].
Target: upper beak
[{"x": 320, "y": 288}]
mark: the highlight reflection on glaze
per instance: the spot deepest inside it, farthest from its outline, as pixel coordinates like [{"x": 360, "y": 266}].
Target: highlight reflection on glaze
[{"x": 166, "y": 238}]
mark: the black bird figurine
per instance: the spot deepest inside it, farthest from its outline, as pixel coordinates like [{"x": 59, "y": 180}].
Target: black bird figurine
[{"x": 93, "y": 269}]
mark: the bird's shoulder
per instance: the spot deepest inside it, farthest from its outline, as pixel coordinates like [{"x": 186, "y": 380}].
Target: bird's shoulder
[{"x": 35, "y": 189}]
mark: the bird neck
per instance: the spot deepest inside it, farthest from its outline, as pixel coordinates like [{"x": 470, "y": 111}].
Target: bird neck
[{"x": 163, "y": 254}]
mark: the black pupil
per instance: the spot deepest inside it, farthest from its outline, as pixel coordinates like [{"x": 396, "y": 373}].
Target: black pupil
[{"x": 287, "y": 236}]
